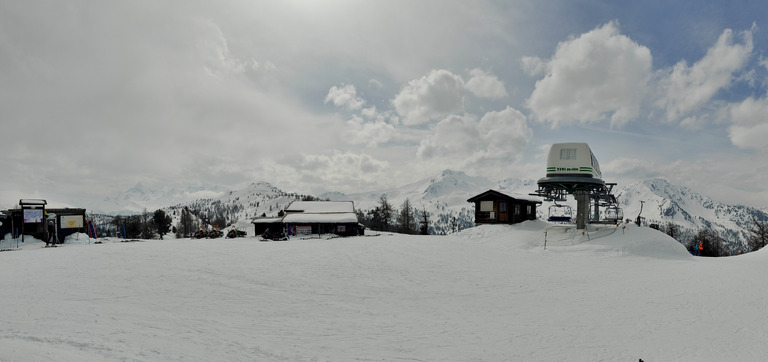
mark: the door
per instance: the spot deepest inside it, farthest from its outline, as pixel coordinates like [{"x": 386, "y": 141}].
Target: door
[{"x": 503, "y": 214}]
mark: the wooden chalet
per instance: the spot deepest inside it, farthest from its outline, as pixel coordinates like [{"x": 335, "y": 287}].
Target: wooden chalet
[
  {"x": 314, "y": 217},
  {"x": 494, "y": 207}
]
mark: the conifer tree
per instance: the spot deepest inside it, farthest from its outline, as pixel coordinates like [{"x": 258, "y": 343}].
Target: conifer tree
[
  {"x": 406, "y": 223},
  {"x": 162, "y": 222}
]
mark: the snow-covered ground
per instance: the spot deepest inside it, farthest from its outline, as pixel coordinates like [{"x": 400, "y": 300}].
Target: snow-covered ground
[{"x": 490, "y": 293}]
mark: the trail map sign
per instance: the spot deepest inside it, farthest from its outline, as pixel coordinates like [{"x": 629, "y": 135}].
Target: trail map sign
[
  {"x": 33, "y": 216},
  {"x": 71, "y": 222}
]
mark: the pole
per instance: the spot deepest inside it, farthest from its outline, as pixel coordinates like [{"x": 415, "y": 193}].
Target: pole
[{"x": 582, "y": 208}]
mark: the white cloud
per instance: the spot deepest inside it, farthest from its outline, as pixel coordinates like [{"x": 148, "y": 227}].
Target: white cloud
[
  {"x": 344, "y": 96},
  {"x": 464, "y": 141},
  {"x": 484, "y": 85},
  {"x": 375, "y": 83},
  {"x": 750, "y": 126},
  {"x": 340, "y": 171},
  {"x": 430, "y": 97},
  {"x": 371, "y": 134},
  {"x": 504, "y": 134},
  {"x": 600, "y": 75},
  {"x": 533, "y": 66},
  {"x": 686, "y": 89},
  {"x": 454, "y": 136}
]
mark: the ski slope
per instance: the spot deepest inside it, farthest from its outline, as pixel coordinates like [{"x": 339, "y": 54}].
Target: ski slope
[{"x": 488, "y": 293}]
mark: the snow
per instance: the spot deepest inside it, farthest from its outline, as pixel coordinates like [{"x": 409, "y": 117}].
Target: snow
[
  {"x": 321, "y": 206},
  {"x": 488, "y": 293},
  {"x": 266, "y": 220},
  {"x": 341, "y": 218}
]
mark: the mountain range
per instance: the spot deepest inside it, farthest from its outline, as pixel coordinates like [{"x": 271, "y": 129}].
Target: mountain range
[{"x": 444, "y": 198}]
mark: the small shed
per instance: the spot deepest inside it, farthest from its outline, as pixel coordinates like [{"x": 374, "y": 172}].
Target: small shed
[
  {"x": 261, "y": 224},
  {"x": 494, "y": 207}
]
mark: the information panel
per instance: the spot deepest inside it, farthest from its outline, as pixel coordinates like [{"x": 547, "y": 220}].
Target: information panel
[
  {"x": 303, "y": 230},
  {"x": 32, "y": 216},
  {"x": 72, "y": 222}
]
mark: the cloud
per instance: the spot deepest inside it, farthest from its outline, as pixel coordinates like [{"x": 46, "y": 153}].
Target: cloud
[
  {"x": 749, "y": 128},
  {"x": 533, "y": 66},
  {"x": 484, "y": 85},
  {"x": 687, "y": 89},
  {"x": 345, "y": 96},
  {"x": 341, "y": 171},
  {"x": 600, "y": 75},
  {"x": 371, "y": 134},
  {"x": 430, "y": 97},
  {"x": 455, "y": 135},
  {"x": 463, "y": 140},
  {"x": 504, "y": 133}
]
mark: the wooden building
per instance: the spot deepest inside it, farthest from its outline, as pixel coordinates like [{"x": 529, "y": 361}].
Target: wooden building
[
  {"x": 33, "y": 221},
  {"x": 494, "y": 207},
  {"x": 314, "y": 217}
]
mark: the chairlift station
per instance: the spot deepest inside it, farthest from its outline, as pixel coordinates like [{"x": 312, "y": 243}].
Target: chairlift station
[{"x": 572, "y": 169}]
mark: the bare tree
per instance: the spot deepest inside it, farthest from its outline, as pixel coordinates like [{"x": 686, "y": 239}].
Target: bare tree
[{"x": 758, "y": 234}]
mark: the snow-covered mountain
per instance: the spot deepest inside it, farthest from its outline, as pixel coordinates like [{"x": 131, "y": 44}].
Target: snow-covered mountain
[
  {"x": 239, "y": 207},
  {"x": 151, "y": 197},
  {"x": 444, "y": 198},
  {"x": 666, "y": 202}
]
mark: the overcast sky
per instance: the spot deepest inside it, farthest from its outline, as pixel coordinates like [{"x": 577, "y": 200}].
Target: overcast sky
[{"x": 352, "y": 96}]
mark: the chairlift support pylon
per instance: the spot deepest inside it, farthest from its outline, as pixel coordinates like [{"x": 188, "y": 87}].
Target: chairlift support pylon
[{"x": 573, "y": 169}]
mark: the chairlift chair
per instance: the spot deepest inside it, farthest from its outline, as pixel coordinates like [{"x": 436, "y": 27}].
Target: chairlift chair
[
  {"x": 614, "y": 213},
  {"x": 560, "y": 213}
]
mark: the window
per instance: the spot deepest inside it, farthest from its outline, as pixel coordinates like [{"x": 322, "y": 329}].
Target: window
[
  {"x": 486, "y": 206},
  {"x": 529, "y": 209},
  {"x": 517, "y": 209},
  {"x": 568, "y": 154},
  {"x": 502, "y": 206}
]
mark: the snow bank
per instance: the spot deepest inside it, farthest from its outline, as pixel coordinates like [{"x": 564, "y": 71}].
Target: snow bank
[{"x": 488, "y": 293}]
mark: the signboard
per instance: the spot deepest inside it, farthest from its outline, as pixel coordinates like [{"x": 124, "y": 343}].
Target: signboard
[
  {"x": 33, "y": 216},
  {"x": 72, "y": 222},
  {"x": 303, "y": 230}
]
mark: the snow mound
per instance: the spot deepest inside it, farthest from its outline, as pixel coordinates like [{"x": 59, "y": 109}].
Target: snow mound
[{"x": 604, "y": 239}]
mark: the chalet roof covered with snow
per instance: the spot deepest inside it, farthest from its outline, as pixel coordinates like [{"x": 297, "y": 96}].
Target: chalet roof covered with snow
[
  {"x": 514, "y": 196},
  {"x": 321, "y": 206},
  {"x": 266, "y": 220},
  {"x": 35, "y": 202},
  {"x": 315, "y": 212},
  {"x": 326, "y": 218}
]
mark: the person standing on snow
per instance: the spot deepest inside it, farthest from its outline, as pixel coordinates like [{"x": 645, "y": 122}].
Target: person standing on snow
[{"x": 51, "y": 241}]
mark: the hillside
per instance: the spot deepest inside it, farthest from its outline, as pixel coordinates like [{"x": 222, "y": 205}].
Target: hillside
[
  {"x": 488, "y": 293},
  {"x": 444, "y": 198},
  {"x": 665, "y": 202}
]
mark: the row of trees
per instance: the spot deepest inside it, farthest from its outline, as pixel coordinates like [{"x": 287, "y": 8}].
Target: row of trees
[
  {"x": 384, "y": 217},
  {"x": 158, "y": 224},
  {"x": 145, "y": 225}
]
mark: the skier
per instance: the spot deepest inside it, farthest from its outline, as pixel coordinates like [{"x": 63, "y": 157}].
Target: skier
[{"x": 51, "y": 241}]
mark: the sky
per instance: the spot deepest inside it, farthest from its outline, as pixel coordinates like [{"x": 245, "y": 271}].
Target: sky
[{"x": 352, "y": 96}]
